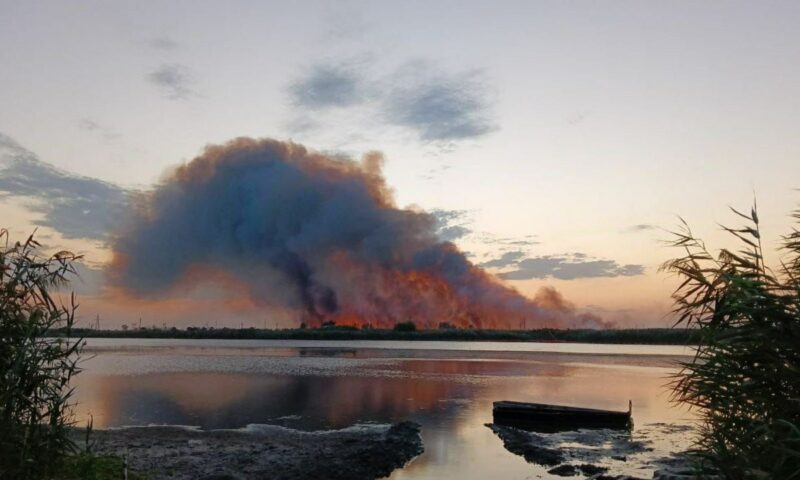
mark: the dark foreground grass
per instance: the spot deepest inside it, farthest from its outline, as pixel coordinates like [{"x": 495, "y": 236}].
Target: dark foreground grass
[
  {"x": 652, "y": 336},
  {"x": 95, "y": 467}
]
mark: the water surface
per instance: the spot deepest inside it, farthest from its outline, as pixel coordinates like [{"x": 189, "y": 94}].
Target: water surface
[{"x": 447, "y": 387}]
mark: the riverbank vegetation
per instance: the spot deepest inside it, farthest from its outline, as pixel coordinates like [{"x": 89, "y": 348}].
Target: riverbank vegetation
[
  {"x": 36, "y": 369},
  {"x": 652, "y": 336},
  {"x": 745, "y": 378}
]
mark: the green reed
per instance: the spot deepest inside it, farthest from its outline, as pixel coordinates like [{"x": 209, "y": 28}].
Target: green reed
[
  {"x": 35, "y": 368},
  {"x": 745, "y": 377}
]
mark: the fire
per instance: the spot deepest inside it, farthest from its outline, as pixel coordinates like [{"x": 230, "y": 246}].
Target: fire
[{"x": 294, "y": 230}]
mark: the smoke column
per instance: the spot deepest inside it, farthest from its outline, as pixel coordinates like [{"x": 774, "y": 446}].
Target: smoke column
[{"x": 320, "y": 236}]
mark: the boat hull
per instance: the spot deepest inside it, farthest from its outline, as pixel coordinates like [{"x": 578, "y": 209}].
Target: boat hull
[{"x": 550, "y": 418}]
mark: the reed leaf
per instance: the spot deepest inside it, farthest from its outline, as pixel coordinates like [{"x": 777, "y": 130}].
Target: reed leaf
[{"x": 744, "y": 379}]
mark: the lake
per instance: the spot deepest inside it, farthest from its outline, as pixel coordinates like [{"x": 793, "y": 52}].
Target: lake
[{"x": 447, "y": 387}]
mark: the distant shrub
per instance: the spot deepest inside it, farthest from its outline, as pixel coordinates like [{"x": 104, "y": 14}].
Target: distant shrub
[
  {"x": 745, "y": 377},
  {"x": 405, "y": 327},
  {"x": 447, "y": 326},
  {"x": 35, "y": 368}
]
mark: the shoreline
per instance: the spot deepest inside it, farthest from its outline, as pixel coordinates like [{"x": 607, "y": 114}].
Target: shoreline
[
  {"x": 653, "y": 336},
  {"x": 365, "y": 451},
  {"x": 359, "y": 452}
]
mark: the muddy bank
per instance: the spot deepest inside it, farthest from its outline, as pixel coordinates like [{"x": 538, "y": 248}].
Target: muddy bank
[
  {"x": 652, "y": 451},
  {"x": 265, "y": 451}
]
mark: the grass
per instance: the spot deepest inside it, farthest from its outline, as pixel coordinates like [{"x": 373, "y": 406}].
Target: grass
[{"x": 94, "y": 467}]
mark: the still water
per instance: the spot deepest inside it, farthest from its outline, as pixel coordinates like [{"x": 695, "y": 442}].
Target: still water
[{"x": 447, "y": 387}]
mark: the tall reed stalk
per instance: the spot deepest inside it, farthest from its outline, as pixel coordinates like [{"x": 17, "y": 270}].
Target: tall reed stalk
[
  {"x": 745, "y": 377},
  {"x": 35, "y": 368}
]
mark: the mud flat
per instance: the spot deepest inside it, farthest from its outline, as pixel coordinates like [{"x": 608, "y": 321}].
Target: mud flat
[
  {"x": 364, "y": 451},
  {"x": 653, "y": 451}
]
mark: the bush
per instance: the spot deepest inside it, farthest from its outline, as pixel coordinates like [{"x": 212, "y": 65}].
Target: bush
[
  {"x": 745, "y": 377},
  {"x": 35, "y": 370},
  {"x": 405, "y": 327}
]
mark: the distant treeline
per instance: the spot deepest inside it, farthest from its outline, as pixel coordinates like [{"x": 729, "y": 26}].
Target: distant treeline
[{"x": 654, "y": 336}]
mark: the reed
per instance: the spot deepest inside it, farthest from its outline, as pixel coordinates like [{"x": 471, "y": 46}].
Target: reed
[
  {"x": 35, "y": 367},
  {"x": 745, "y": 377}
]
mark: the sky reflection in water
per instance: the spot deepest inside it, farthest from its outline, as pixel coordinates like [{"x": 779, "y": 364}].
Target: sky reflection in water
[{"x": 449, "y": 391}]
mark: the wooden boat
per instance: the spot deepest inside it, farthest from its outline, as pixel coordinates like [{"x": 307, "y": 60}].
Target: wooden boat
[{"x": 551, "y": 418}]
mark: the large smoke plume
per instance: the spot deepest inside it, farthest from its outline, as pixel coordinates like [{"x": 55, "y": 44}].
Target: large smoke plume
[{"x": 316, "y": 235}]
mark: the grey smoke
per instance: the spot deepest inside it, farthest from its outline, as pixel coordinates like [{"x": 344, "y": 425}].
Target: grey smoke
[{"x": 295, "y": 229}]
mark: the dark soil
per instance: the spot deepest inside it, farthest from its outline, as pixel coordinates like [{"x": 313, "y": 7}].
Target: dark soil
[{"x": 265, "y": 451}]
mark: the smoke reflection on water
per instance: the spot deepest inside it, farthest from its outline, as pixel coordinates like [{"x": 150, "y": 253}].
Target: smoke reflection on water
[{"x": 225, "y": 385}]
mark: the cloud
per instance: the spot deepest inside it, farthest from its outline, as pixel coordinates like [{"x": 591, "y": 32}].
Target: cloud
[
  {"x": 641, "y": 227},
  {"x": 439, "y": 107},
  {"x": 505, "y": 260},
  {"x": 326, "y": 86},
  {"x": 562, "y": 267},
  {"x": 75, "y": 206},
  {"x": 492, "y": 240},
  {"x": 163, "y": 43},
  {"x": 452, "y": 224},
  {"x": 105, "y": 134},
  {"x": 174, "y": 80}
]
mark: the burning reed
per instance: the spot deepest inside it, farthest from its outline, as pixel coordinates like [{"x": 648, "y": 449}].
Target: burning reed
[{"x": 285, "y": 228}]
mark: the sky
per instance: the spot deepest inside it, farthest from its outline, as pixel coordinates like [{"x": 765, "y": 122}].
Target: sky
[{"x": 556, "y": 141}]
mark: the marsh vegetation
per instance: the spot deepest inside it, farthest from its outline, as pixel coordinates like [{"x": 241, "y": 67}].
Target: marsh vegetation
[
  {"x": 36, "y": 368},
  {"x": 745, "y": 378}
]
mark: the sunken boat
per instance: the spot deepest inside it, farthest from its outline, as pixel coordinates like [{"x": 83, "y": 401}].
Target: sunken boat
[{"x": 552, "y": 418}]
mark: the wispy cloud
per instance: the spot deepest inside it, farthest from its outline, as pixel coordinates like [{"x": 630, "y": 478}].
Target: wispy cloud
[
  {"x": 174, "y": 80},
  {"x": 641, "y": 227},
  {"x": 505, "y": 260},
  {"x": 437, "y": 106},
  {"x": 452, "y": 224},
  {"x": 75, "y": 206},
  {"x": 562, "y": 267},
  {"x": 504, "y": 243},
  {"x": 163, "y": 43},
  {"x": 329, "y": 85},
  {"x": 105, "y": 134}
]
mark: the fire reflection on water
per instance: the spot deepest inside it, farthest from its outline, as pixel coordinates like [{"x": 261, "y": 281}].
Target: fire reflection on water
[{"x": 450, "y": 395}]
